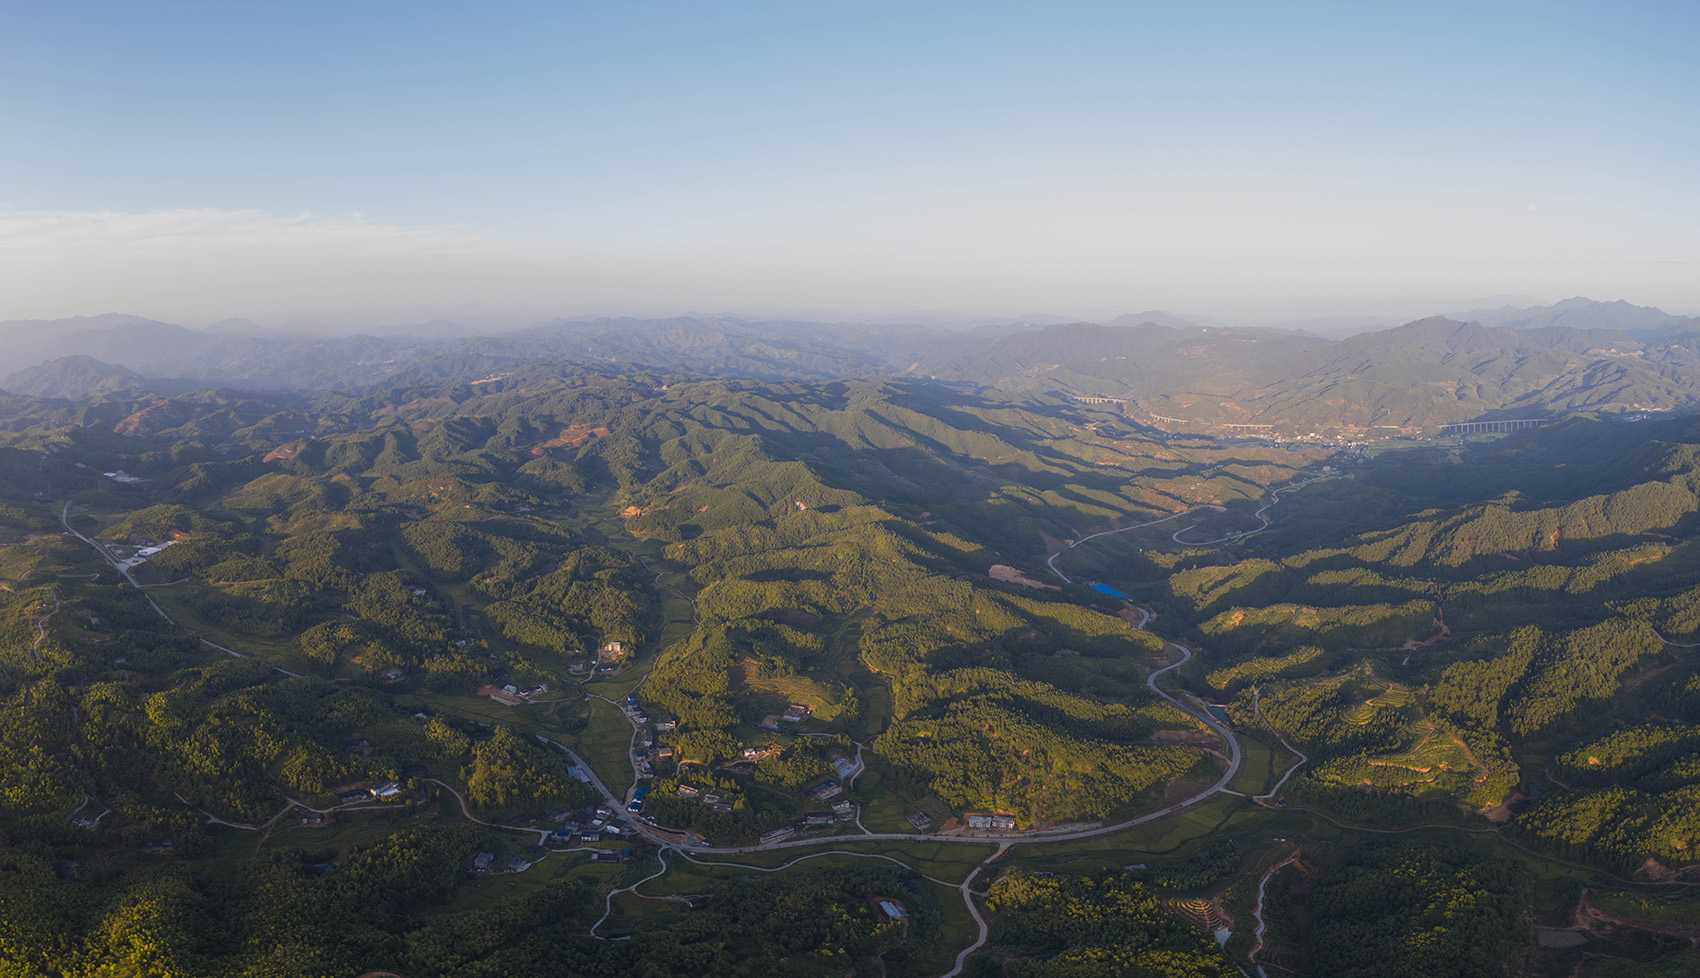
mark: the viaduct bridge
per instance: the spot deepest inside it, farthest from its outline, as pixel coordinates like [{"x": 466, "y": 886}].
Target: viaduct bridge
[{"x": 1476, "y": 427}]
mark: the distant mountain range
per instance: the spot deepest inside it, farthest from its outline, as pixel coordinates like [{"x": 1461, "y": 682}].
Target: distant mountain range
[
  {"x": 1643, "y": 322},
  {"x": 1574, "y": 355}
]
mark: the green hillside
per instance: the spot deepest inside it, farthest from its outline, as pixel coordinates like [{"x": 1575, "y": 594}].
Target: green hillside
[{"x": 764, "y": 600}]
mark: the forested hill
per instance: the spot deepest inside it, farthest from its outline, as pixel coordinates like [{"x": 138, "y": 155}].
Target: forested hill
[
  {"x": 1519, "y": 639},
  {"x": 1174, "y": 375},
  {"x": 78, "y": 377},
  {"x": 356, "y": 630},
  {"x": 838, "y": 537},
  {"x": 1042, "y": 464}
]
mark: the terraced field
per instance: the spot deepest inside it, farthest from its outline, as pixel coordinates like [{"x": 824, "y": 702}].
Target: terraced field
[{"x": 1433, "y": 753}]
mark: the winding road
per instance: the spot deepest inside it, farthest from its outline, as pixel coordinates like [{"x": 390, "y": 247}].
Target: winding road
[
  {"x": 542, "y": 834},
  {"x": 984, "y": 929},
  {"x": 1061, "y": 834},
  {"x": 1274, "y": 497},
  {"x": 1003, "y": 841},
  {"x": 608, "y": 904},
  {"x": 41, "y": 630},
  {"x": 678, "y": 842},
  {"x": 106, "y": 555},
  {"x": 1052, "y": 561},
  {"x": 1257, "y": 913},
  {"x": 1257, "y": 707}
]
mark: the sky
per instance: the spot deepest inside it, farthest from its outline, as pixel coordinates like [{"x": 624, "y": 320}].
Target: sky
[{"x": 196, "y": 161}]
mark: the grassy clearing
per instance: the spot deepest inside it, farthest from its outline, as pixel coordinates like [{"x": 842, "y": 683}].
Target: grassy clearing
[
  {"x": 824, "y": 695},
  {"x": 606, "y": 743},
  {"x": 615, "y": 687},
  {"x": 944, "y": 860},
  {"x": 685, "y": 878},
  {"x": 273, "y": 651},
  {"x": 949, "y": 861},
  {"x": 884, "y": 809},
  {"x": 1646, "y": 905},
  {"x": 347, "y": 829},
  {"x": 679, "y": 615},
  {"x": 957, "y": 930},
  {"x": 486, "y": 889},
  {"x": 1165, "y": 838},
  {"x": 1260, "y": 766},
  {"x": 876, "y": 698},
  {"x": 631, "y": 910},
  {"x": 548, "y": 718}
]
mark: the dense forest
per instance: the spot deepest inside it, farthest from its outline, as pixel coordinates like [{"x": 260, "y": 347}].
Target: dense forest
[
  {"x": 1405, "y": 911},
  {"x": 1077, "y": 927}
]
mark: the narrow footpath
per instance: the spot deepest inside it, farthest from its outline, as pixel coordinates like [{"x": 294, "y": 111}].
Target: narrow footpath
[{"x": 41, "y": 630}]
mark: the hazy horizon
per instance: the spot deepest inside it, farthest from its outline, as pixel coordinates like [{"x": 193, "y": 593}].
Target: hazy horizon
[
  {"x": 1251, "y": 162},
  {"x": 1342, "y": 320}
]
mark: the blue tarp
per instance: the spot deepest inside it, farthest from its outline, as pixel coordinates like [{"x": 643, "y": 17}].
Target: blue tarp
[{"x": 1102, "y": 588}]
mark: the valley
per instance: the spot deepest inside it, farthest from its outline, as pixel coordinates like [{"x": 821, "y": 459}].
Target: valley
[{"x": 731, "y": 633}]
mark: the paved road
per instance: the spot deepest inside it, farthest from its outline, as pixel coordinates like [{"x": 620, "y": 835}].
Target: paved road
[
  {"x": 985, "y": 930},
  {"x": 1064, "y": 834},
  {"x": 1003, "y": 840},
  {"x": 1274, "y": 497},
  {"x": 1052, "y": 561},
  {"x": 608, "y": 904},
  {"x": 106, "y": 555}
]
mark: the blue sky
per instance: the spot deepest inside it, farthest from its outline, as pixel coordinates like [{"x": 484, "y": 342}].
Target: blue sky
[{"x": 208, "y": 159}]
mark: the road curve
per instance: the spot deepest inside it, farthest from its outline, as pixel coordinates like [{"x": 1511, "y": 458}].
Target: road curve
[
  {"x": 985, "y": 930},
  {"x": 1051, "y": 562},
  {"x": 1262, "y": 886},
  {"x": 1232, "y": 746},
  {"x": 1274, "y": 497},
  {"x": 542, "y": 834},
  {"x": 41, "y": 630},
  {"x": 1257, "y": 707},
  {"x": 608, "y": 903}
]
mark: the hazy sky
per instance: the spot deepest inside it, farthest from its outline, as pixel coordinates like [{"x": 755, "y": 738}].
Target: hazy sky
[{"x": 192, "y": 161}]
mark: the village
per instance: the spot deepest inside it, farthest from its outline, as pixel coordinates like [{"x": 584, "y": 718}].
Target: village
[{"x": 652, "y": 759}]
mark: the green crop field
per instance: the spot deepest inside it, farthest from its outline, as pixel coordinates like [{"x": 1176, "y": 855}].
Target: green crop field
[
  {"x": 606, "y": 743},
  {"x": 1260, "y": 766}
]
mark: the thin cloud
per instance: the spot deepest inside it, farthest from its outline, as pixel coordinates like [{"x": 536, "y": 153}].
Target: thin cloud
[
  {"x": 45, "y": 235},
  {"x": 201, "y": 262}
]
